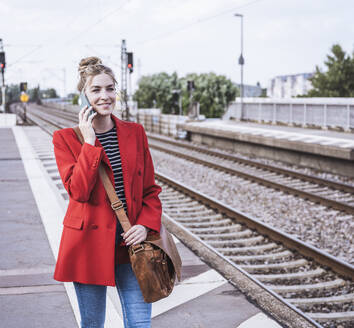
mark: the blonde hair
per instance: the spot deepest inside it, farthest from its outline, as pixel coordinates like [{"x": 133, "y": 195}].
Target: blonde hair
[{"x": 90, "y": 67}]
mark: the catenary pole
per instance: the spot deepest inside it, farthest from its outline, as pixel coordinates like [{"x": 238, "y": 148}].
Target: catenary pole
[
  {"x": 241, "y": 62},
  {"x": 124, "y": 94}
]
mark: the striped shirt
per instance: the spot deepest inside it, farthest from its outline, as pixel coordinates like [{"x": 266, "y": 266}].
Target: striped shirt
[{"x": 110, "y": 145}]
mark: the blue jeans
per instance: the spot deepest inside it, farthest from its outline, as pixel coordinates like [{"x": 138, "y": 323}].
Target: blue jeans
[{"x": 92, "y": 301}]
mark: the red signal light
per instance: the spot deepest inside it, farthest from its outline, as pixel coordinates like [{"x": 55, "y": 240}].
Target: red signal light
[
  {"x": 130, "y": 65},
  {"x": 2, "y": 65}
]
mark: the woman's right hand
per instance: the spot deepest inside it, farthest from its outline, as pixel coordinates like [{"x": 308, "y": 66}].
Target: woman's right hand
[{"x": 85, "y": 125}]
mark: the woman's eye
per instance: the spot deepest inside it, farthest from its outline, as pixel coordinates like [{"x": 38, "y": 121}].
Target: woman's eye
[{"x": 110, "y": 89}]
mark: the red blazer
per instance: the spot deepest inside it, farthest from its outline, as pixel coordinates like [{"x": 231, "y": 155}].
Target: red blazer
[{"x": 87, "y": 246}]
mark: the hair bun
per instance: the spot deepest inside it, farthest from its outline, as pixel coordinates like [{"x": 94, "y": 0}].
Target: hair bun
[{"x": 88, "y": 61}]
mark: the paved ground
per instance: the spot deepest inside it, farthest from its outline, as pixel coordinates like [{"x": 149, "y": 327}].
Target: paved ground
[
  {"x": 314, "y": 132},
  {"x": 31, "y": 224},
  {"x": 29, "y": 297}
]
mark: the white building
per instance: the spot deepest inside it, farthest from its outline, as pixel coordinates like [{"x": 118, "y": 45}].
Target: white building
[
  {"x": 287, "y": 86},
  {"x": 250, "y": 90}
]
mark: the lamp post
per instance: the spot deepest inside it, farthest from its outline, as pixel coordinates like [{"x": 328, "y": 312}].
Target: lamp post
[{"x": 241, "y": 62}]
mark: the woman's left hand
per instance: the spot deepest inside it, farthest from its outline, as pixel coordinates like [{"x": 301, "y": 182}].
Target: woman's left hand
[{"x": 135, "y": 235}]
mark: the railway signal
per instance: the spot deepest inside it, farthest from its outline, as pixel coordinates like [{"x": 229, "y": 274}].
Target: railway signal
[
  {"x": 23, "y": 86},
  {"x": 2, "y": 71},
  {"x": 130, "y": 62},
  {"x": 2, "y": 62},
  {"x": 24, "y": 98},
  {"x": 190, "y": 86}
]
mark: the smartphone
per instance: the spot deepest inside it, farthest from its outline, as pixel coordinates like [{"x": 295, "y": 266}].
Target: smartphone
[{"x": 83, "y": 101}]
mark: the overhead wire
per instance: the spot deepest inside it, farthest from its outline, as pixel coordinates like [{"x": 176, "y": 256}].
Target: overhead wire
[
  {"x": 107, "y": 58},
  {"x": 47, "y": 41},
  {"x": 98, "y": 22},
  {"x": 198, "y": 21}
]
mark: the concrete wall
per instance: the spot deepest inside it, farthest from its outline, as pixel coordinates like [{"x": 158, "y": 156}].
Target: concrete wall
[
  {"x": 155, "y": 122},
  {"x": 299, "y": 158}
]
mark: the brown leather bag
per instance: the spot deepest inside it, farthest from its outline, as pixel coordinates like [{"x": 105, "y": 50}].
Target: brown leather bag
[{"x": 155, "y": 261}]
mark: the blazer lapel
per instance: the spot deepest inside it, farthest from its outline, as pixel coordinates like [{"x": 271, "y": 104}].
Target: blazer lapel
[
  {"x": 104, "y": 157},
  {"x": 127, "y": 149}
]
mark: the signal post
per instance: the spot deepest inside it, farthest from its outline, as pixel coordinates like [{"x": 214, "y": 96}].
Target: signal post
[
  {"x": 2, "y": 69},
  {"x": 24, "y": 99}
]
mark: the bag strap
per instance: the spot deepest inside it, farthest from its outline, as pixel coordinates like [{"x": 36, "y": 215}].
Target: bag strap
[{"x": 116, "y": 203}]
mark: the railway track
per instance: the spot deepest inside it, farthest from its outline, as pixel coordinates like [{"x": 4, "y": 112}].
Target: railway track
[
  {"x": 303, "y": 275},
  {"x": 329, "y": 193},
  {"x": 314, "y": 282}
]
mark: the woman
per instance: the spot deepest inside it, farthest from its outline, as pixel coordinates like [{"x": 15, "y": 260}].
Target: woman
[{"x": 93, "y": 251}]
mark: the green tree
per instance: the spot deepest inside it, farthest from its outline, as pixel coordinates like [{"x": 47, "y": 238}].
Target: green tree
[
  {"x": 338, "y": 79},
  {"x": 12, "y": 94},
  {"x": 75, "y": 99},
  {"x": 213, "y": 92},
  {"x": 50, "y": 93},
  {"x": 35, "y": 95},
  {"x": 156, "y": 91}
]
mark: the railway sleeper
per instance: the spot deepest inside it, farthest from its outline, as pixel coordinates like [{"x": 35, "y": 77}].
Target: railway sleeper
[
  {"x": 207, "y": 224},
  {"x": 50, "y": 164},
  {"x": 246, "y": 242},
  {"x": 325, "y": 194},
  {"x": 315, "y": 189},
  {"x": 201, "y": 219},
  {"x": 174, "y": 203},
  {"x": 307, "y": 287},
  {"x": 188, "y": 211},
  {"x": 60, "y": 186},
  {"x": 263, "y": 257},
  {"x": 336, "y": 316},
  {"x": 171, "y": 193},
  {"x": 274, "y": 266},
  {"x": 345, "y": 199},
  {"x": 226, "y": 236},
  {"x": 267, "y": 174},
  {"x": 181, "y": 208},
  {"x": 299, "y": 184},
  {"x": 222, "y": 229},
  {"x": 287, "y": 276},
  {"x": 346, "y": 298},
  {"x": 239, "y": 250},
  {"x": 178, "y": 198}
]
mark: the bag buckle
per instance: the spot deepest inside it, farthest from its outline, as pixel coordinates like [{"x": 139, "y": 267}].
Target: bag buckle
[
  {"x": 117, "y": 205},
  {"x": 138, "y": 249}
]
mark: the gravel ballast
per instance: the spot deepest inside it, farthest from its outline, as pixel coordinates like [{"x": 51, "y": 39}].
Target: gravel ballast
[{"x": 327, "y": 229}]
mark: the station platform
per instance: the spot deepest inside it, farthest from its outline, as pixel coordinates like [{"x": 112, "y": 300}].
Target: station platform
[
  {"x": 327, "y": 150},
  {"x": 33, "y": 204}
]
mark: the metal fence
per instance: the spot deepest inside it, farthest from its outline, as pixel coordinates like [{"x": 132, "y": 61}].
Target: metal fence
[{"x": 316, "y": 112}]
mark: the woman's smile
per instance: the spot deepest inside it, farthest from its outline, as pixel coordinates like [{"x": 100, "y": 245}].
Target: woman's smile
[{"x": 105, "y": 105}]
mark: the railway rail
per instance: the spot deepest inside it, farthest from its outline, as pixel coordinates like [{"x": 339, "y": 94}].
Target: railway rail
[
  {"x": 329, "y": 193},
  {"x": 319, "y": 286}
]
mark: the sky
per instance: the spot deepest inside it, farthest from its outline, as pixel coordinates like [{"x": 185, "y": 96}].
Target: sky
[{"x": 45, "y": 40}]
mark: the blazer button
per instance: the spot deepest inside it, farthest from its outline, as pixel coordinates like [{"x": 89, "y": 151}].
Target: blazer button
[
  {"x": 139, "y": 172},
  {"x": 134, "y": 199},
  {"x": 94, "y": 226}
]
